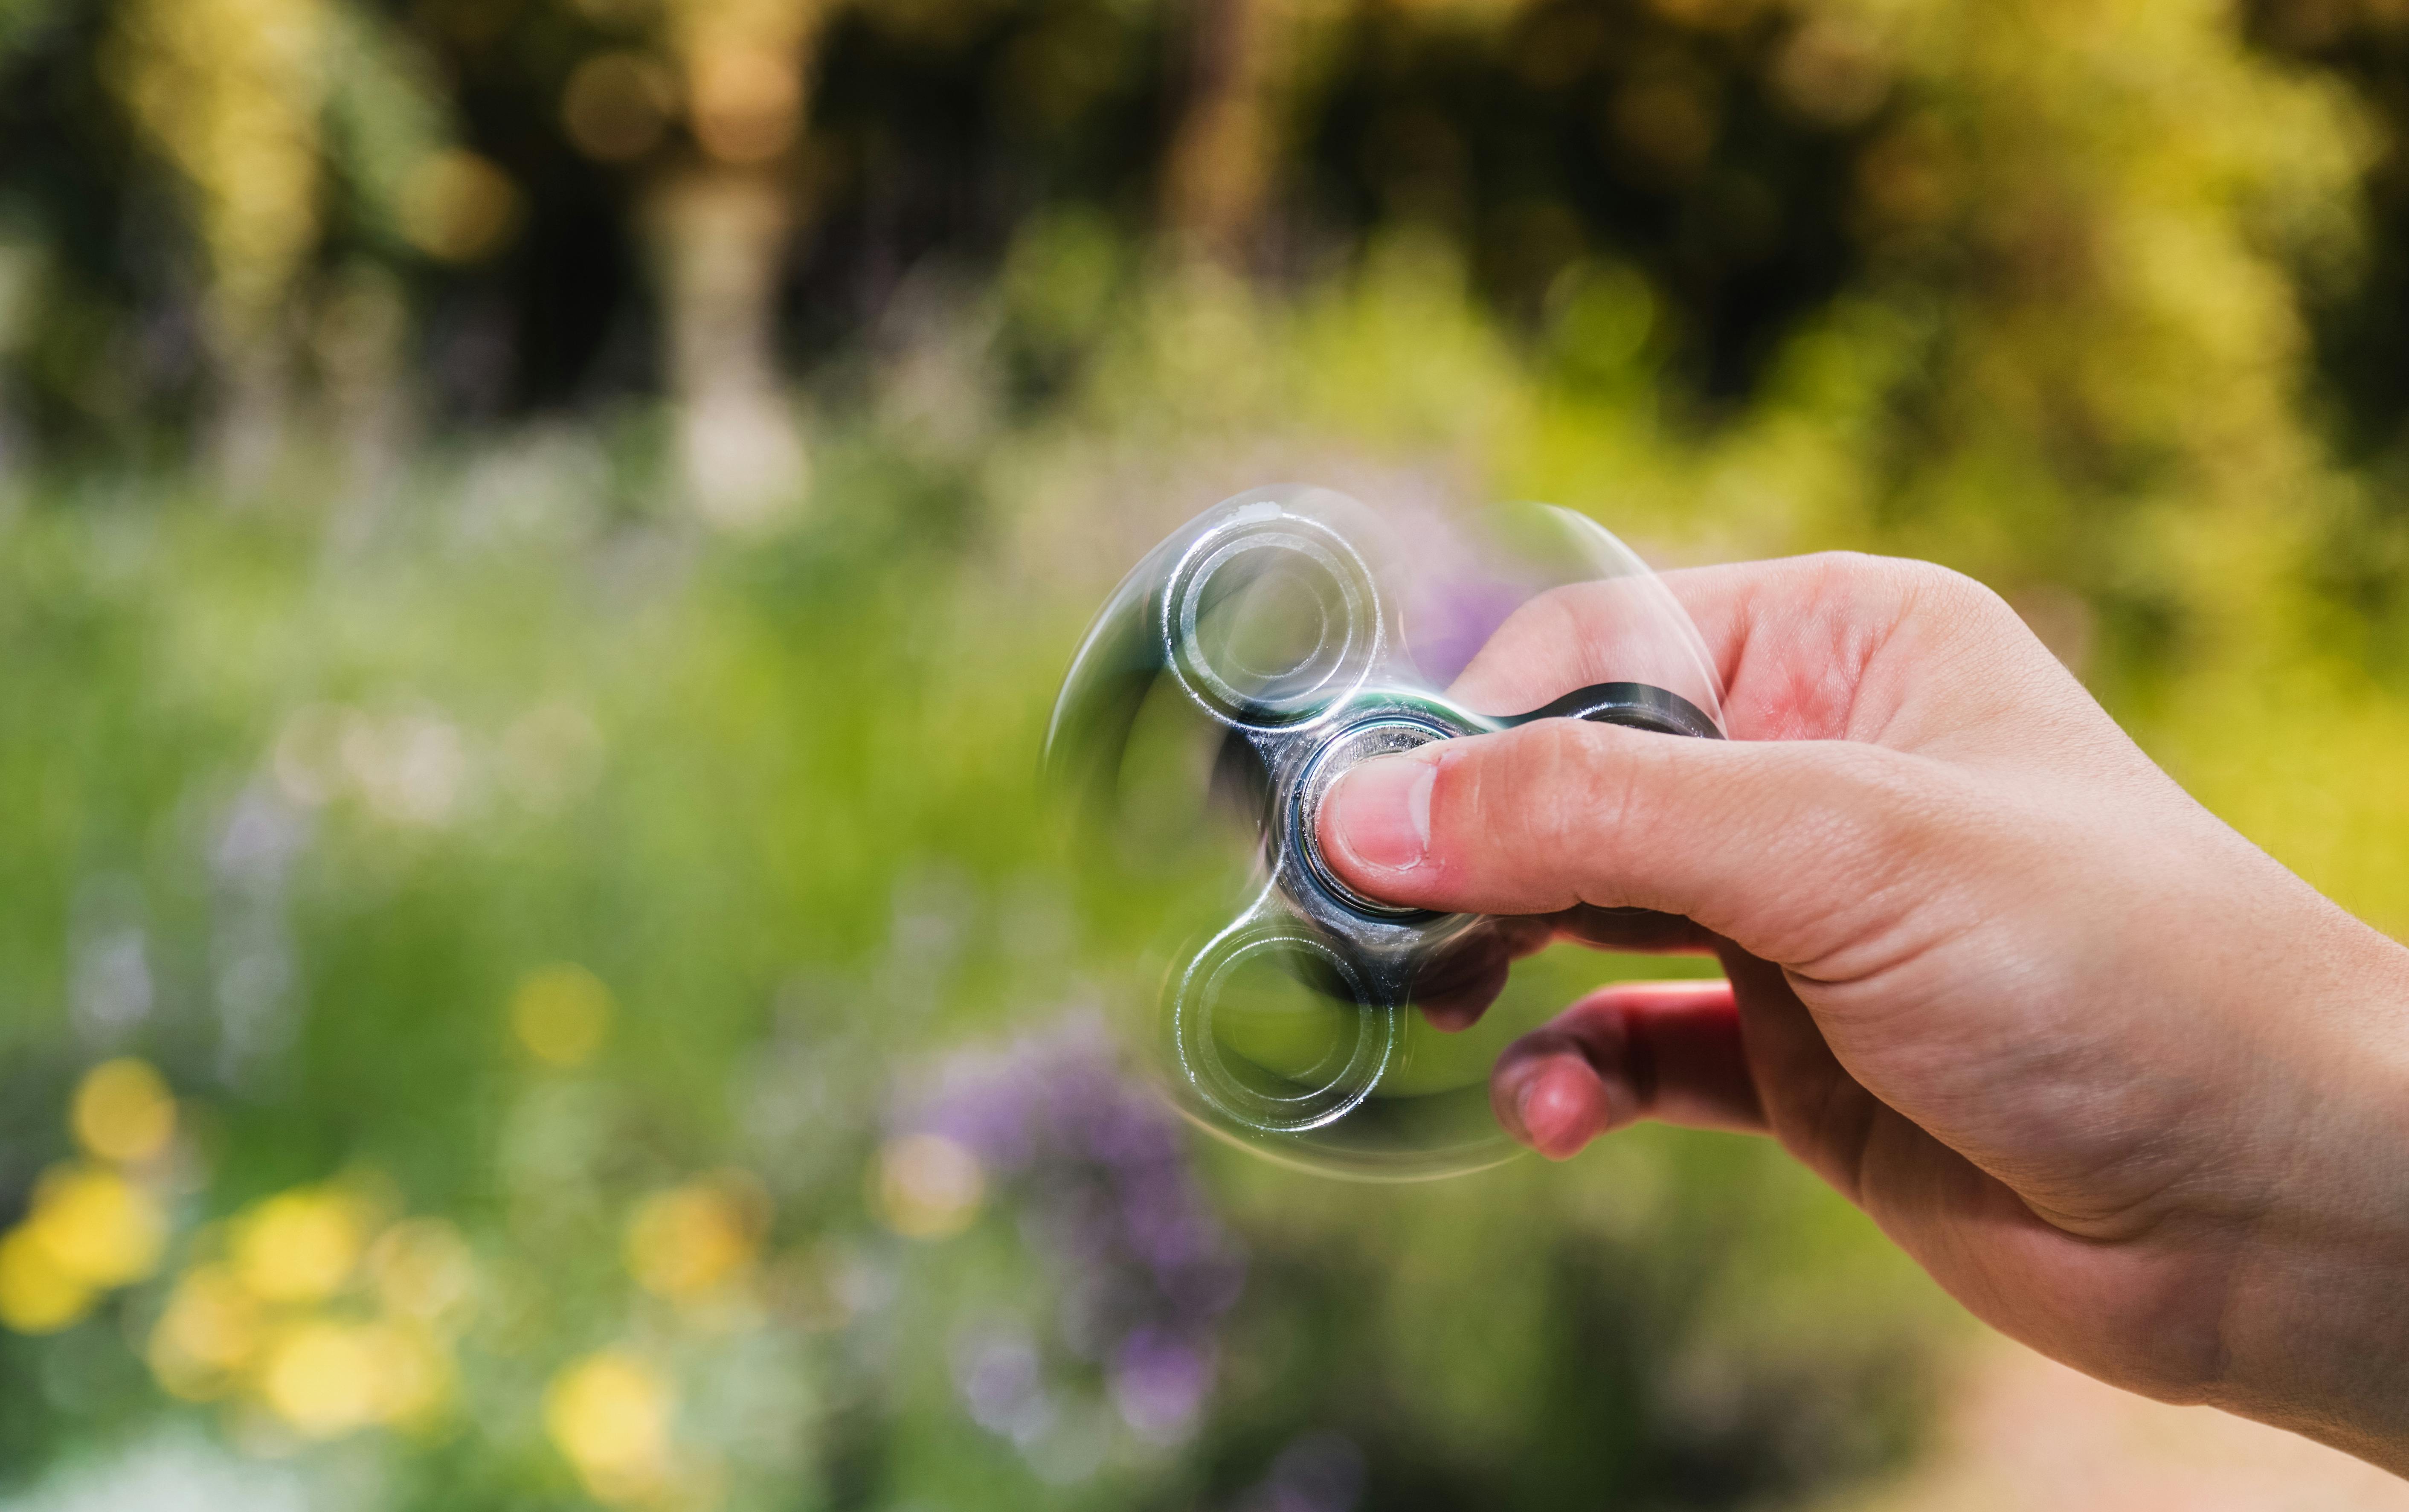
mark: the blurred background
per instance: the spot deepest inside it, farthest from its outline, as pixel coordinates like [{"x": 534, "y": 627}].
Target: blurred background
[{"x": 537, "y": 538}]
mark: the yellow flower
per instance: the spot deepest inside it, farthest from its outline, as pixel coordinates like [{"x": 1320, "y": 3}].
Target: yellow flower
[
  {"x": 561, "y": 1013},
  {"x": 99, "y": 1228},
  {"x": 209, "y": 1330},
  {"x": 123, "y": 1111},
  {"x": 327, "y": 1377},
  {"x": 297, "y": 1245},
  {"x": 321, "y": 1379},
  {"x": 35, "y": 1295},
  {"x": 88, "y": 1230},
  {"x": 609, "y": 1415},
  {"x": 692, "y": 1240}
]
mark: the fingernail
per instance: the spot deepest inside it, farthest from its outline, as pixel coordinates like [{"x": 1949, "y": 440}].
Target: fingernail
[
  {"x": 1522, "y": 1129},
  {"x": 1380, "y": 812}
]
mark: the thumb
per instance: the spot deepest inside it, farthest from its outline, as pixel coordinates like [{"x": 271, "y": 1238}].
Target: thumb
[{"x": 1772, "y": 844}]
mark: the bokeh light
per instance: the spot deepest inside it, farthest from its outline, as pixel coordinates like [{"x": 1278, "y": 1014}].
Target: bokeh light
[
  {"x": 697, "y": 1240},
  {"x": 124, "y": 1111},
  {"x": 37, "y": 1294},
  {"x": 928, "y": 1185},
  {"x": 561, "y": 1013},
  {"x": 459, "y": 206},
  {"x": 423, "y": 1269},
  {"x": 617, "y": 105},
  {"x": 609, "y": 1414},
  {"x": 299, "y": 1245},
  {"x": 207, "y": 1334}
]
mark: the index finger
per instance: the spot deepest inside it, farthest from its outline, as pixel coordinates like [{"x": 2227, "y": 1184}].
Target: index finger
[
  {"x": 1795, "y": 647},
  {"x": 1629, "y": 628}
]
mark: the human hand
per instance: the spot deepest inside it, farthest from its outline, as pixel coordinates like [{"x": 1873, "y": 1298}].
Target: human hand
[{"x": 2130, "y": 1090}]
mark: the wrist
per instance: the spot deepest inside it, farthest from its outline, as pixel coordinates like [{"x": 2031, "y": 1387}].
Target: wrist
[{"x": 2314, "y": 1322}]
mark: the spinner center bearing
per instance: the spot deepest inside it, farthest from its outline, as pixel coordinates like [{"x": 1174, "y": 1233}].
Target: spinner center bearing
[{"x": 1378, "y": 734}]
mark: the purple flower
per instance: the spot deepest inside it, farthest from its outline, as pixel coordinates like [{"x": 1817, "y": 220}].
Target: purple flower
[
  {"x": 1158, "y": 1383},
  {"x": 1317, "y": 1472},
  {"x": 1143, "y": 1266}
]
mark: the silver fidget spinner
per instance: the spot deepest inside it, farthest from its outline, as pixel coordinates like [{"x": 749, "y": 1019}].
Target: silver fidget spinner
[{"x": 1264, "y": 650}]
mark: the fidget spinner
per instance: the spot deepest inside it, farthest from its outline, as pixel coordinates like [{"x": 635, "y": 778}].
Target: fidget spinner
[{"x": 1245, "y": 665}]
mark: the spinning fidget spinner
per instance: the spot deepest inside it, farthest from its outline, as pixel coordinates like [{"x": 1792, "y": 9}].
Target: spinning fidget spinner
[{"x": 1244, "y": 666}]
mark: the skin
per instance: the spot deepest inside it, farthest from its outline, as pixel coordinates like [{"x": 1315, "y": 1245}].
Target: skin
[{"x": 2126, "y": 1087}]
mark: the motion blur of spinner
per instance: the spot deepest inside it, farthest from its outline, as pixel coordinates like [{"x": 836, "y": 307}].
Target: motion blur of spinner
[{"x": 1272, "y": 643}]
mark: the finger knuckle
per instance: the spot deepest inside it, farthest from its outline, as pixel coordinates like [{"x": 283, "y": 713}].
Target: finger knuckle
[
  {"x": 1873, "y": 797},
  {"x": 1954, "y": 603},
  {"x": 1543, "y": 795},
  {"x": 1911, "y": 585},
  {"x": 1562, "y": 792},
  {"x": 1874, "y": 819}
]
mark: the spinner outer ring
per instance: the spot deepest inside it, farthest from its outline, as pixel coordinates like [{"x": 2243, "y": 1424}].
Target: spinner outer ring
[
  {"x": 1359, "y": 652},
  {"x": 1367, "y": 1060}
]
